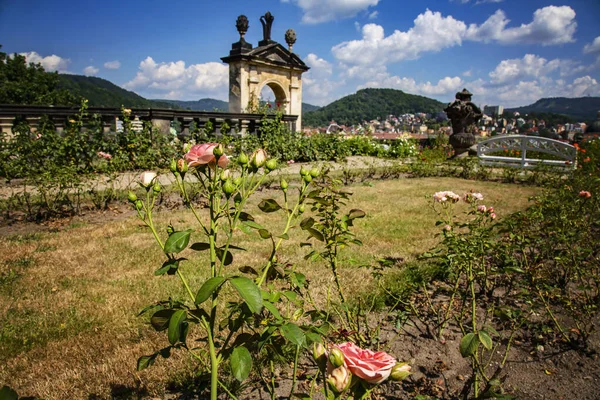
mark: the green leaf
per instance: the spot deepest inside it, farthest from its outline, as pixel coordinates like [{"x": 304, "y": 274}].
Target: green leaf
[
  {"x": 200, "y": 246},
  {"x": 178, "y": 241},
  {"x": 175, "y": 322},
  {"x": 468, "y": 344},
  {"x": 307, "y": 223},
  {"x": 160, "y": 319},
  {"x": 253, "y": 225},
  {"x": 265, "y": 234},
  {"x": 353, "y": 214},
  {"x": 485, "y": 339},
  {"x": 228, "y": 256},
  {"x": 272, "y": 309},
  {"x": 249, "y": 292},
  {"x": 241, "y": 363},
  {"x": 246, "y": 269},
  {"x": 315, "y": 233},
  {"x": 293, "y": 333},
  {"x": 244, "y": 216},
  {"x": 7, "y": 393},
  {"x": 208, "y": 288},
  {"x": 269, "y": 206},
  {"x": 143, "y": 362},
  {"x": 284, "y": 236},
  {"x": 166, "y": 267}
]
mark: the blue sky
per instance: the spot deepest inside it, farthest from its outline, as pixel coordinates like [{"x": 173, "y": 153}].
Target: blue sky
[{"x": 509, "y": 52}]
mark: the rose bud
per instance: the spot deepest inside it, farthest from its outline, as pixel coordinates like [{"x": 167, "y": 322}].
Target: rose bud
[
  {"x": 258, "y": 158},
  {"x": 307, "y": 178},
  {"x": 170, "y": 230},
  {"x": 314, "y": 172},
  {"x": 147, "y": 178},
  {"x": 131, "y": 197},
  {"x": 218, "y": 151},
  {"x": 243, "y": 159},
  {"x": 304, "y": 171},
  {"x": 182, "y": 166},
  {"x": 156, "y": 188},
  {"x": 284, "y": 184},
  {"x": 493, "y": 215},
  {"x": 237, "y": 181},
  {"x": 139, "y": 205},
  {"x": 320, "y": 356},
  {"x": 238, "y": 198},
  {"x": 400, "y": 372},
  {"x": 226, "y": 174},
  {"x": 271, "y": 164},
  {"x": 339, "y": 379},
  {"x": 336, "y": 357},
  {"x": 301, "y": 209},
  {"x": 228, "y": 188},
  {"x": 173, "y": 166},
  {"x": 490, "y": 210}
]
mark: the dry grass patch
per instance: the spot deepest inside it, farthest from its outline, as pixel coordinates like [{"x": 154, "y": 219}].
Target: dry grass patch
[{"x": 68, "y": 300}]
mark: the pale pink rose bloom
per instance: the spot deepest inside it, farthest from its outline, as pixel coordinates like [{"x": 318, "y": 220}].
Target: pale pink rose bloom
[
  {"x": 481, "y": 208},
  {"x": 147, "y": 177},
  {"x": 453, "y": 196},
  {"x": 477, "y": 196},
  {"x": 372, "y": 367},
  {"x": 493, "y": 215},
  {"x": 447, "y": 228},
  {"x": 202, "y": 154},
  {"x": 585, "y": 194},
  {"x": 440, "y": 197}
]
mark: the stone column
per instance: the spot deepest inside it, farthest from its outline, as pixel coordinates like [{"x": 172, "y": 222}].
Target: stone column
[{"x": 162, "y": 124}]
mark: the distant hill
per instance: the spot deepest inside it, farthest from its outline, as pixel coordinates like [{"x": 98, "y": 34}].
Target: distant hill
[
  {"x": 368, "y": 104},
  {"x": 218, "y": 105},
  {"x": 579, "y": 108},
  {"x": 199, "y": 105},
  {"x": 103, "y": 93}
]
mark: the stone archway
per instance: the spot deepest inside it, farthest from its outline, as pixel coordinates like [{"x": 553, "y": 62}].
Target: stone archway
[
  {"x": 252, "y": 68},
  {"x": 281, "y": 95}
]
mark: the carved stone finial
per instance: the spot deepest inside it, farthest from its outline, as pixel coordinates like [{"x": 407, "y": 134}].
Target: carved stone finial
[
  {"x": 290, "y": 38},
  {"x": 242, "y": 25},
  {"x": 267, "y": 21}
]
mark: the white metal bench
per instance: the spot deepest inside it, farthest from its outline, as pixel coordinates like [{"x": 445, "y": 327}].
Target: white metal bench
[{"x": 488, "y": 152}]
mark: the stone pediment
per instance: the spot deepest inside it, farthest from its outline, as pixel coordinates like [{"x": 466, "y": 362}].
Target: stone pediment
[{"x": 272, "y": 53}]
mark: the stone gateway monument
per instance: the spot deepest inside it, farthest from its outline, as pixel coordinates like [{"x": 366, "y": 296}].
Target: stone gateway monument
[
  {"x": 271, "y": 64},
  {"x": 463, "y": 114}
]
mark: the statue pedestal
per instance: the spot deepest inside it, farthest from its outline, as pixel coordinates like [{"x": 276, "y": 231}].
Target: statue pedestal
[{"x": 461, "y": 142}]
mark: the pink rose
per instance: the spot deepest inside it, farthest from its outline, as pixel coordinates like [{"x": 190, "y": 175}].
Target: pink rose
[
  {"x": 202, "y": 154},
  {"x": 372, "y": 367},
  {"x": 585, "y": 194}
]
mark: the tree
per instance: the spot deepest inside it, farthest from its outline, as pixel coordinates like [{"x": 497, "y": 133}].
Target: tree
[{"x": 22, "y": 83}]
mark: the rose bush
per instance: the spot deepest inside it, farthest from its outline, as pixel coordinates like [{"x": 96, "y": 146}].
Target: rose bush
[
  {"x": 372, "y": 367},
  {"x": 203, "y": 154}
]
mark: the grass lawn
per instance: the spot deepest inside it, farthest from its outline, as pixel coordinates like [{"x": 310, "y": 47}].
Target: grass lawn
[{"x": 69, "y": 300}]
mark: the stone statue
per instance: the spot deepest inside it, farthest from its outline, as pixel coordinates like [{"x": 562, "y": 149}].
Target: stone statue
[
  {"x": 266, "y": 21},
  {"x": 463, "y": 114},
  {"x": 290, "y": 38}
]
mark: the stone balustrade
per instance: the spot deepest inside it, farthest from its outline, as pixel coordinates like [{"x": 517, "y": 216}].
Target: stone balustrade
[{"x": 161, "y": 118}]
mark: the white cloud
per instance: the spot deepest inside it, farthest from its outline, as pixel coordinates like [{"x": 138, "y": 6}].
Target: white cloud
[
  {"x": 526, "y": 92},
  {"x": 431, "y": 32},
  {"x": 317, "y": 84},
  {"x": 373, "y": 15},
  {"x": 478, "y": 2},
  {"x": 593, "y": 47},
  {"x": 112, "y": 64},
  {"x": 531, "y": 65},
  {"x": 317, "y": 11},
  {"x": 175, "y": 80},
  {"x": 551, "y": 25},
  {"x": 50, "y": 63},
  {"x": 467, "y": 73},
  {"x": 90, "y": 70}
]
